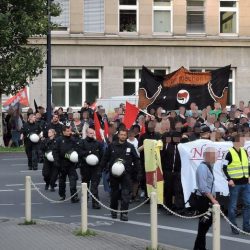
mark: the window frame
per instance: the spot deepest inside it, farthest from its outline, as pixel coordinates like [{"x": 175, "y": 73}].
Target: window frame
[
  {"x": 129, "y": 7},
  {"x": 196, "y": 9},
  {"x": 229, "y": 9},
  {"x": 163, "y": 8},
  {"x": 231, "y": 80},
  {"x": 83, "y": 80}
]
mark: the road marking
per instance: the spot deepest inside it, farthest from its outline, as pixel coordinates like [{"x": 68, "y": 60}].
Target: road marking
[
  {"x": 6, "y": 190},
  {"x": 13, "y": 185},
  {"x": 52, "y": 216},
  {"x": 19, "y": 164},
  {"x": 7, "y": 204},
  {"x": 73, "y": 216},
  {"x": 13, "y": 159},
  {"x": 35, "y": 203},
  {"x": 23, "y": 189},
  {"x": 29, "y": 171},
  {"x": 170, "y": 228}
]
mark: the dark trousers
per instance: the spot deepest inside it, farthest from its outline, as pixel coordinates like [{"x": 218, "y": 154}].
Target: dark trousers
[
  {"x": 91, "y": 174},
  {"x": 50, "y": 173},
  {"x": 205, "y": 223},
  {"x": 121, "y": 187},
  {"x": 173, "y": 188},
  {"x": 32, "y": 152},
  {"x": 69, "y": 171}
]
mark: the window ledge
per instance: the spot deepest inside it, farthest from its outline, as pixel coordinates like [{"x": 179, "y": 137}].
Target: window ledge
[
  {"x": 128, "y": 33},
  {"x": 229, "y": 34}
]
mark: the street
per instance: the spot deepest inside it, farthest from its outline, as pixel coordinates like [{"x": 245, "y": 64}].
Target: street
[{"x": 172, "y": 230}]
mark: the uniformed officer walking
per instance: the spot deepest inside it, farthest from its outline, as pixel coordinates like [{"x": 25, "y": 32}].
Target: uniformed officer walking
[{"x": 121, "y": 158}]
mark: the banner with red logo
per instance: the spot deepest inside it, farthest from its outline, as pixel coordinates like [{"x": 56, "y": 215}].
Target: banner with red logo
[{"x": 21, "y": 97}]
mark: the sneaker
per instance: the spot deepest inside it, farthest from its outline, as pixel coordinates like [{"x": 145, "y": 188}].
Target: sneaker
[
  {"x": 113, "y": 215},
  {"x": 46, "y": 187},
  {"x": 75, "y": 200},
  {"x": 96, "y": 206},
  {"x": 235, "y": 231},
  {"x": 29, "y": 168},
  {"x": 35, "y": 168},
  {"x": 124, "y": 217},
  {"x": 62, "y": 198},
  {"x": 247, "y": 230}
]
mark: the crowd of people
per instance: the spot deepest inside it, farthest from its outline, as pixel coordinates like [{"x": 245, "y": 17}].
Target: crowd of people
[{"x": 69, "y": 132}]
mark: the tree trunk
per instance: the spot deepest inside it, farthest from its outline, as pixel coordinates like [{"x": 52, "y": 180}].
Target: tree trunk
[{"x": 1, "y": 123}]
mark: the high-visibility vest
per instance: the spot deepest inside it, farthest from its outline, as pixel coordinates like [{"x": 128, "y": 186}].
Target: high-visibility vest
[{"x": 238, "y": 168}]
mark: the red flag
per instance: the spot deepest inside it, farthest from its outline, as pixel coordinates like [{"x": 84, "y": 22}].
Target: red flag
[
  {"x": 131, "y": 113},
  {"x": 97, "y": 127},
  {"x": 21, "y": 97},
  {"x": 143, "y": 129},
  {"x": 106, "y": 128}
]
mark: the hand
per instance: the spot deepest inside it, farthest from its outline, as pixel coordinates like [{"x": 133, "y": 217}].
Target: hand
[
  {"x": 214, "y": 201},
  {"x": 231, "y": 183}
]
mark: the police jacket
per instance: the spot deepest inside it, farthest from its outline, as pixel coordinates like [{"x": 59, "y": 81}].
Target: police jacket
[
  {"x": 124, "y": 151},
  {"x": 48, "y": 145},
  {"x": 64, "y": 145},
  {"x": 28, "y": 129},
  {"x": 89, "y": 146},
  {"x": 56, "y": 126}
]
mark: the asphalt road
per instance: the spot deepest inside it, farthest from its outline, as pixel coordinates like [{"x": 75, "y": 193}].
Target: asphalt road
[{"x": 172, "y": 230}]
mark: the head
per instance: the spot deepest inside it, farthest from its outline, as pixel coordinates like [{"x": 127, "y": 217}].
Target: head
[
  {"x": 238, "y": 140},
  {"x": 131, "y": 133},
  {"x": 86, "y": 104},
  {"x": 76, "y": 116},
  {"x": 151, "y": 126},
  {"x": 51, "y": 133},
  {"x": 210, "y": 155},
  {"x": 67, "y": 131},
  {"x": 38, "y": 116},
  {"x": 91, "y": 133},
  {"x": 241, "y": 105},
  {"x": 41, "y": 110},
  {"x": 55, "y": 118},
  {"x": 122, "y": 135},
  {"x": 32, "y": 118},
  {"x": 60, "y": 111},
  {"x": 217, "y": 105}
]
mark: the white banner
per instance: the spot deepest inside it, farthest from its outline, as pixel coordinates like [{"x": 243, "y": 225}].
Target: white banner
[{"x": 192, "y": 155}]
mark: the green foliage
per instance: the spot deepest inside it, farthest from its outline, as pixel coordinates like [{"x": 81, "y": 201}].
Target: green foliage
[
  {"x": 11, "y": 150},
  {"x": 87, "y": 233},
  {"x": 20, "y": 20}
]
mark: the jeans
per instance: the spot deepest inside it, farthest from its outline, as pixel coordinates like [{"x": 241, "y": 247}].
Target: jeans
[{"x": 244, "y": 191}]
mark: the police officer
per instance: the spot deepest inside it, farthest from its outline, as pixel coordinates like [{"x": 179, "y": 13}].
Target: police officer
[
  {"x": 236, "y": 168},
  {"x": 30, "y": 133},
  {"x": 50, "y": 172},
  {"x": 64, "y": 145},
  {"x": 91, "y": 152},
  {"x": 124, "y": 151},
  {"x": 56, "y": 125}
]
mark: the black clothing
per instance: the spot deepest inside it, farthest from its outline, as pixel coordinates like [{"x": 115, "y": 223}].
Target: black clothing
[{"x": 56, "y": 126}]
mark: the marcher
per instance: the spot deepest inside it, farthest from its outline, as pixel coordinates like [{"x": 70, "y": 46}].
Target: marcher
[
  {"x": 123, "y": 152},
  {"x": 205, "y": 195},
  {"x": 90, "y": 151},
  {"x": 50, "y": 172},
  {"x": 236, "y": 168},
  {"x": 62, "y": 151},
  {"x": 31, "y": 134}
]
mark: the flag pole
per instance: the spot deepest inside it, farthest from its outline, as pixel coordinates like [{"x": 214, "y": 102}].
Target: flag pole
[{"x": 146, "y": 113}]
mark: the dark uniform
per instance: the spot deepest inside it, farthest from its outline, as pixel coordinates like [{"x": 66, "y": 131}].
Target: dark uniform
[
  {"x": 64, "y": 145},
  {"x": 127, "y": 153},
  {"x": 50, "y": 172},
  {"x": 31, "y": 148},
  {"x": 56, "y": 126},
  {"x": 91, "y": 173}
]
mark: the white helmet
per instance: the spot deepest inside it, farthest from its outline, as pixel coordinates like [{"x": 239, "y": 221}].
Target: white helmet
[
  {"x": 49, "y": 156},
  {"x": 118, "y": 168},
  {"x": 73, "y": 157},
  {"x": 92, "y": 160},
  {"x": 34, "y": 138}
]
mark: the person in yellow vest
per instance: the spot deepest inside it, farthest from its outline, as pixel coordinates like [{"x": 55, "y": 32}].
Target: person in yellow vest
[{"x": 236, "y": 168}]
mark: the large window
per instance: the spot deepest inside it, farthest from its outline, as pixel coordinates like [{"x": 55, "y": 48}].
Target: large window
[
  {"x": 228, "y": 17},
  {"x": 128, "y": 16},
  {"x": 195, "y": 16},
  {"x": 63, "y": 19},
  {"x": 94, "y": 16},
  {"x": 231, "y": 86},
  {"x": 71, "y": 87},
  {"x": 132, "y": 78},
  {"x": 162, "y": 16}
]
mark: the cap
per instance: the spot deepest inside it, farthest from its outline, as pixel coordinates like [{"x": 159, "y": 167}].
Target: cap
[{"x": 205, "y": 128}]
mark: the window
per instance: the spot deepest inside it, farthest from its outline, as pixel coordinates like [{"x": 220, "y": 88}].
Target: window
[
  {"x": 231, "y": 86},
  {"x": 195, "y": 16},
  {"x": 63, "y": 19},
  {"x": 94, "y": 16},
  {"x": 228, "y": 17},
  {"x": 128, "y": 16},
  {"x": 71, "y": 87},
  {"x": 132, "y": 78},
  {"x": 162, "y": 16}
]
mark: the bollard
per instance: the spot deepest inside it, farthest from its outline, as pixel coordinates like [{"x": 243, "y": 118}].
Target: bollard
[
  {"x": 216, "y": 227},
  {"x": 28, "y": 199},
  {"x": 84, "y": 209},
  {"x": 153, "y": 216}
]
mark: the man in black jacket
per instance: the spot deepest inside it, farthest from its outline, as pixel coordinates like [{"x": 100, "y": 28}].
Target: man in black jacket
[
  {"x": 90, "y": 169},
  {"x": 65, "y": 144},
  {"x": 124, "y": 151}
]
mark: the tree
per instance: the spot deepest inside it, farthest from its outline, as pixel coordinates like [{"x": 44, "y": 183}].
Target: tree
[{"x": 20, "y": 63}]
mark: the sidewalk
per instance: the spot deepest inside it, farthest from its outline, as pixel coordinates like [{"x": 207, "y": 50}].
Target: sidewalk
[{"x": 59, "y": 236}]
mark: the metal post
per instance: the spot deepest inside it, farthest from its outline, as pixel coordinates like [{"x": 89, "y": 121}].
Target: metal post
[
  {"x": 216, "y": 227},
  {"x": 153, "y": 215},
  {"x": 27, "y": 199},
  {"x": 49, "y": 92},
  {"x": 84, "y": 208}
]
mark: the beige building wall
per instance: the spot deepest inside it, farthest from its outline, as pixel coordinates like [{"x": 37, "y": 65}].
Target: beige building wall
[
  {"x": 111, "y": 16},
  {"x": 179, "y": 17},
  {"x": 212, "y": 17},
  {"x": 76, "y": 16},
  {"x": 244, "y": 18},
  {"x": 145, "y": 17}
]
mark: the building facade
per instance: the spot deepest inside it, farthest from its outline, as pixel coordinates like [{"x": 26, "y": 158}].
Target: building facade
[{"x": 101, "y": 45}]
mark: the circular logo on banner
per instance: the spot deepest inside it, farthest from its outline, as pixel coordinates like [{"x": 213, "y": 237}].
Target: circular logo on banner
[{"x": 183, "y": 96}]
